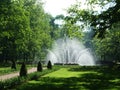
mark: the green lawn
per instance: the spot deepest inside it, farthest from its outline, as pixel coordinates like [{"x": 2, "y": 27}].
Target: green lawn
[
  {"x": 66, "y": 73},
  {"x": 77, "y": 78},
  {"x": 7, "y": 70}
]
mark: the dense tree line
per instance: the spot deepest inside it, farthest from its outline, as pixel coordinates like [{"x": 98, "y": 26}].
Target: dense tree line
[
  {"x": 108, "y": 49},
  {"x": 24, "y": 30}
]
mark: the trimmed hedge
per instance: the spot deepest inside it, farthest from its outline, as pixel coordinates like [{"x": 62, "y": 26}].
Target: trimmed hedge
[
  {"x": 49, "y": 65},
  {"x": 23, "y": 70},
  {"x": 39, "y": 66}
]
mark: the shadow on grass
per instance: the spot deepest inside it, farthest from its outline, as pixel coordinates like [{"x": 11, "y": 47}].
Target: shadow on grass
[{"x": 103, "y": 79}]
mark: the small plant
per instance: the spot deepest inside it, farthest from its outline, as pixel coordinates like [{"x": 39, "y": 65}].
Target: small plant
[
  {"x": 39, "y": 66},
  {"x": 13, "y": 65},
  {"x": 23, "y": 70},
  {"x": 49, "y": 65}
]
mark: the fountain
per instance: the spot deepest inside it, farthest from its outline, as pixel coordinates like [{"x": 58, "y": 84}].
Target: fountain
[{"x": 70, "y": 51}]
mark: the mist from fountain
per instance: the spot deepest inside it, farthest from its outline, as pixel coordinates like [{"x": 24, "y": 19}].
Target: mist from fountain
[{"x": 70, "y": 51}]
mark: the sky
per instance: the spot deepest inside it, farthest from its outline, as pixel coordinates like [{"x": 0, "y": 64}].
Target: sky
[{"x": 57, "y": 7}]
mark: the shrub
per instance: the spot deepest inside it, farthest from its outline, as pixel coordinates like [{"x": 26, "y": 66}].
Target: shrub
[
  {"x": 13, "y": 65},
  {"x": 39, "y": 66},
  {"x": 23, "y": 70},
  {"x": 12, "y": 83},
  {"x": 49, "y": 65}
]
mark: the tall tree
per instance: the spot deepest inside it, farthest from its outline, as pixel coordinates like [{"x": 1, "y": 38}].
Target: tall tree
[
  {"x": 24, "y": 30},
  {"x": 12, "y": 28},
  {"x": 39, "y": 39},
  {"x": 99, "y": 20},
  {"x": 108, "y": 48}
]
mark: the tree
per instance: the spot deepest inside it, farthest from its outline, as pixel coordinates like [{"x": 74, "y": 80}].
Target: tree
[
  {"x": 72, "y": 28},
  {"x": 99, "y": 20},
  {"x": 14, "y": 30},
  {"x": 23, "y": 70},
  {"x": 24, "y": 30},
  {"x": 56, "y": 30},
  {"x": 108, "y": 48},
  {"x": 104, "y": 23},
  {"x": 40, "y": 38},
  {"x": 107, "y": 18},
  {"x": 49, "y": 65},
  {"x": 39, "y": 66}
]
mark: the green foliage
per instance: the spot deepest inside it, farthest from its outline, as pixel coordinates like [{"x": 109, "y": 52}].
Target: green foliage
[
  {"x": 71, "y": 28},
  {"x": 23, "y": 70},
  {"x": 49, "y": 65},
  {"x": 24, "y": 30},
  {"x": 8, "y": 70},
  {"x": 99, "y": 20},
  {"x": 56, "y": 30},
  {"x": 102, "y": 23},
  {"x": 79, "y": 78},
  {"x": 108, "y": 48},
  {"x": 39, "y": 67},
  {"x": 7, "y": 84},
  {"x": 15, "y": 82}
]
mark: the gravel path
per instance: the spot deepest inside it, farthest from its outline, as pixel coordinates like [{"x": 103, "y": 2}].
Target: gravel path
[{"x": 8, "y": 76}]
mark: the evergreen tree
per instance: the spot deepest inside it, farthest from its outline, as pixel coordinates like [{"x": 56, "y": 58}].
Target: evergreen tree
[
  {"x": 49, "y": 65},
  {"x": 23, "y": 70},
  {"x": 39, "y": 66}
]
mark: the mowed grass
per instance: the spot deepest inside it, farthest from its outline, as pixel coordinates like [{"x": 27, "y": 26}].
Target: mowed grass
[
  {"x": 66, "y": 73},
  {"x": 76, "y": 78},
  {"x": 7, "y": 70}
]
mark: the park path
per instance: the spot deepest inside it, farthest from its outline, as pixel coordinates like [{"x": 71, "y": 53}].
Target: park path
[{"x": 8, "y": 76}]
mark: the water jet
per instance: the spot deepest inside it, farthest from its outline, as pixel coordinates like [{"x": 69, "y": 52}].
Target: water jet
[{"x": 70, "y": 51}]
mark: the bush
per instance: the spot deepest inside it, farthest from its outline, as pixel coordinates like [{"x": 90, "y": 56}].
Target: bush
[
  {"x": 49, "y": 65},
  {"x": 39, "y": 66},
  {"x": 14, "y": 82},
  {"x": 13, "y": 65},
  {"x": 11, "y": 83},
  {"x": 23, "y": 70}
]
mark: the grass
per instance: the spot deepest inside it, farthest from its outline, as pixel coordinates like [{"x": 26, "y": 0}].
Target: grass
[
  {"x": 76, "y": 78},
  {"x": 12, "y": 83},
  {"x": 7, "y": 70},
  {"x": 65, "y": 73}
]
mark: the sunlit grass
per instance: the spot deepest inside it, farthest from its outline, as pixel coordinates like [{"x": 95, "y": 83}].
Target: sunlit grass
[
  {"x": 6, "y": 70},
  {"x": 66, "y": 73},
  {"x": 76, "y": 78}
]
